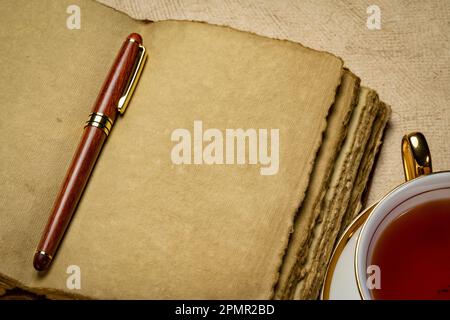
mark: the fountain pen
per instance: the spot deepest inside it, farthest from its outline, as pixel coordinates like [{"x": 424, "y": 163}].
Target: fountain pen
[{"x": 112, "y": 100}]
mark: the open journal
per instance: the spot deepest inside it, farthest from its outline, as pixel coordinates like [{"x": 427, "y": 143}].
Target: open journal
[{"x": 239, "y": 159}]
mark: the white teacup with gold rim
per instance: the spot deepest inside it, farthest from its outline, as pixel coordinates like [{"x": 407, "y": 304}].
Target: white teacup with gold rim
[
  {"x": 403, "y": 249},
  {"x": 400, "y": 246}
]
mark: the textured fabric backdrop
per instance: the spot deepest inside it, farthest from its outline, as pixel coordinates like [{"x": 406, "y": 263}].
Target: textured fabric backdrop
[{"x": 407, "y": 61}]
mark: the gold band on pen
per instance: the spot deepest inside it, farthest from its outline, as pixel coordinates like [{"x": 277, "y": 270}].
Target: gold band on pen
[
  {"x": 44, "y": 254},
  {"x": 101, "y": 121}
]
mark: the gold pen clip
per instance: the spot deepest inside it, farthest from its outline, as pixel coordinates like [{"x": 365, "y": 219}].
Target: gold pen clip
[{"x": 132, "y": 81}]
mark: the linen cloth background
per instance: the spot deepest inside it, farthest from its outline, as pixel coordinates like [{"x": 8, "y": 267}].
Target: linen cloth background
[{"x": 407, "y": 62}]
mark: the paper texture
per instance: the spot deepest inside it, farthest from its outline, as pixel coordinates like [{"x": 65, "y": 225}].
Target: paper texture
[
  {"x": 335, "y": 134},
  {"x": 51, "y": 77},
  {"x": 344, "y": 193},
  {"x": 146, "y": 228},
  {"x": 406, "y": 61}
]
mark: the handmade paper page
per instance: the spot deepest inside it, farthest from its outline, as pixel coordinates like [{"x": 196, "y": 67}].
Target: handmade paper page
[{"x": 150, "y": 225}]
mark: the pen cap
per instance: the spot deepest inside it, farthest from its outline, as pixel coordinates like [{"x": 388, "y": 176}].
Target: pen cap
[
  {"x": 134, "y": 78},
  {"x": 121, "y": 80},
  {"x": 135, "y": 37}
]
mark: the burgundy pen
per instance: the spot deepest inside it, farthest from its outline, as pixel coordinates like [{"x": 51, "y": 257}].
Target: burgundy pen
[{"x": 111, "y": 101}]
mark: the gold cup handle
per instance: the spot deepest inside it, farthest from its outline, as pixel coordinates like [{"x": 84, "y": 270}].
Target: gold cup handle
[{"x": 416, "y": 156}]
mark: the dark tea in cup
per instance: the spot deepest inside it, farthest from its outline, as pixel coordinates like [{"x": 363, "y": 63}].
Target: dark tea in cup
[
  {"x": 403, "y": 248},
  {"x": 413, "y": 252}
]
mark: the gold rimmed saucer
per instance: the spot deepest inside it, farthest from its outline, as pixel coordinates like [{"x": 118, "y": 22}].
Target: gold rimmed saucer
[{"x": 340, "y": 279}]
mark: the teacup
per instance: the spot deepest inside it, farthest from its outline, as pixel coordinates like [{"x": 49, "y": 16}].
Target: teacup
[{"x": 403, "y": 249}]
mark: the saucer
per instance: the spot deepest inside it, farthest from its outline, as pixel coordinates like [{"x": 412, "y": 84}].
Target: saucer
[{"x": 340, "y": 278}]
